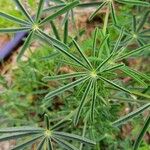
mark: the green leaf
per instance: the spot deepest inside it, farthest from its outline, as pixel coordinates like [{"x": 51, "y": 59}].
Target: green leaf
[
  {"x": 46, "y": 119},
  {"x": 134, "y": 75},
  {"x": 60, "y": 12},
  {"x": 118, "y": 40},
  {"x": 40, "y": 145},
  {"x": 134, "y": 2},
  {"x": 93, "y": 100},
  {"x": 21, "y": 129},
  {"x": 141, "y": 24},
  {"x": 96, "y": 11},
  {"x": 14, "y": 30},
  {"x": 104, "y": 62},
  {"x": 73, "y": 137},
  {"x": 131, "y": 115},
  {"x": 64, "y": 76},
  {"x": 66, "y": 31},
  {"x": 115, "y": 85},
  {"x": 94, "y": 42},
  {"x": 64, "y": 144},
  {"x": 142, "y": 133},
  {"x": 16, "y": 135},
  {"x": 83, "y": 100},
  {"x": 39, "y": 11},
  {"x": 82, "y": 54},
  {"x": 55, "y": 31},
  {"x": 25, "y": 45},
  {"x": 14, "y": 19},
  {"x": 133, "y": 52},
  {"x": 134, "y": 23},
  {"x": 104, "y": 42},
  {"x": 113, "y": 13},
  {"x": 25, "y": 144},
  {"x": 22, "y": 9},
  {"x": 49, "y": 143},
  {"x": 64, "y": 88},
  {"x": 114, "y": 67}
]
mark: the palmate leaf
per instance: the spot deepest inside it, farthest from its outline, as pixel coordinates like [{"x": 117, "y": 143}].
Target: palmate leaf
[
  {"x": 131, "y": 115},
  {"x": 43, "y": 137},
  {"x": 142, "y": 133}
]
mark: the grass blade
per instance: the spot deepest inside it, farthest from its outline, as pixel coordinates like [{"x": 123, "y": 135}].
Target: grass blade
[
  {"x": 82, "y": 103},
  {"x": 115, "y": 85},
  {"x": 131, "y": 115},
  {"x": 69, "y": 136},
  {"x": 14, "y": 19},
  {"x": 22, "y": 9},
  {"x": 25, "y": 45},
  {"x": 64, "y": 76},
  {"x": 25, "y": 144},
  {"x": 64, "y": 88},
  {"x": 60, "y": 12},
  {"x": 142, "y": 133}
]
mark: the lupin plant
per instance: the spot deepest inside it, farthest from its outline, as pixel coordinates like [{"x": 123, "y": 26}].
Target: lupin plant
[{"x": 97, "y": 75}]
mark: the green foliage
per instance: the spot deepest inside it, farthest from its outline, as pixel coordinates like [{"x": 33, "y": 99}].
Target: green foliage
[{"x": 87, "y": 97}]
